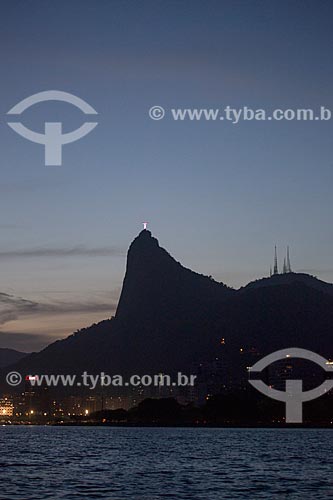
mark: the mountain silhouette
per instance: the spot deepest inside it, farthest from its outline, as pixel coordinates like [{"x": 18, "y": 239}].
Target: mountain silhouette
[
  {"x": 291, "y": 279},
  {"x": 170, "y": 318},
  {"x": 10, "y": 356}
]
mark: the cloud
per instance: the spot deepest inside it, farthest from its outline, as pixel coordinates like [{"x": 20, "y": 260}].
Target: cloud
[
  {"x": 24, "y": 342},
  {"x": 13, "y": 308},
  {"x": 77, "y": 251}
]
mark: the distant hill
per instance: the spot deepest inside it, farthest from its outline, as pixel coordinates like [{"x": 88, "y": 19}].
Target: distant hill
[
  {"x": 10, "y": 356},
  {"x": 170, "y": 318},
  {"x": 292, "y": 279}
]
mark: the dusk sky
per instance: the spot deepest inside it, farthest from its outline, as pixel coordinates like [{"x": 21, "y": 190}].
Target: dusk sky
[{"x": 217, "y": 195}]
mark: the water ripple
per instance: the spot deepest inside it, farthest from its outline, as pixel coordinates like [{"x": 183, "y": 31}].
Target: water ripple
[{"x": 55, "y": 463}]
